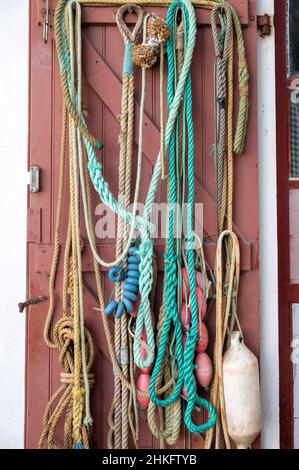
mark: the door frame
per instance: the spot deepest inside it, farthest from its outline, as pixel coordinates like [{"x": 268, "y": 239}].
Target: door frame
[{"x": 288, "y": 293}]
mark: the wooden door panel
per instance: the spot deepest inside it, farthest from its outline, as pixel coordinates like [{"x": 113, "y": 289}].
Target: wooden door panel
[{"x": 102, "y": 63}]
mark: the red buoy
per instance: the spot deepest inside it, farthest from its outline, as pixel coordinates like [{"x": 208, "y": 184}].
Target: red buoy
[
  {"x": 136, "y": 308},
  {"x": 204, "y": 370},
  {"x": 184, "y": 392},
  {"x": 143, "y": 385},
  {"x": 185, "y": 285},
  {"x": 185, "y": 317},
  {"x": 199, "y": 295},
  {"x": 203, "y": 339}
]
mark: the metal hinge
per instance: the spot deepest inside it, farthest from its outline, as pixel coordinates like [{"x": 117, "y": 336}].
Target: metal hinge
[
  {"x": 264, "y": 25},
  {"x": 45, "y": 22}
]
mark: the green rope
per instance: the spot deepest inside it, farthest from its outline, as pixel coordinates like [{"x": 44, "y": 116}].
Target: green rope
[{"x": 184, "y": 362}]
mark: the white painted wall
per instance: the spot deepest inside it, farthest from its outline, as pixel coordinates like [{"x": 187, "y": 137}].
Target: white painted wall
[
  {"x": 13, "y": 176},
  {"x": 268, "y": 235},
  {"x": 13, "y": 154}
]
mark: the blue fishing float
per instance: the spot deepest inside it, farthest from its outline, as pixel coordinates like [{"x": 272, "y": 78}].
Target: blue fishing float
[{"x": 130, "y": 288}]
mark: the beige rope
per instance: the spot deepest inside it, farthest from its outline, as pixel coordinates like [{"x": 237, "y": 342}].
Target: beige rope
[
  {"x": 119, "y": 419},
  {"x": 70, "y": 337},
  {"x": 52, "y": 293}
]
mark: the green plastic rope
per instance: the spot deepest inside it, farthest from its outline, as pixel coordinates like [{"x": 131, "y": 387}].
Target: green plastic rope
[{"x": 184, "y": 362}]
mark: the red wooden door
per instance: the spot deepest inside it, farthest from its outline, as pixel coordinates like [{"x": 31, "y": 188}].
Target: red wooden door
[{"x": 102, "y": 53}]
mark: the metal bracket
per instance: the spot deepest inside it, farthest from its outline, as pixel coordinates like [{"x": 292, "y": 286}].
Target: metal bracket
[{"x": 264, "y": 25}]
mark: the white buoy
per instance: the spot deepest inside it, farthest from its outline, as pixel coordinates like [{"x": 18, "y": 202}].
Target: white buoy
[{"x": 241, "y": 393}]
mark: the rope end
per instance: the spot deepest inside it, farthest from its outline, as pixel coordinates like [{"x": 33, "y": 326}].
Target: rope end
[{"x": 79, "y": 445}]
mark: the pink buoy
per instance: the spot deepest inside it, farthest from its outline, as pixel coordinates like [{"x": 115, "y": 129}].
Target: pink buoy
[
  {"x": 143, "y": 385},
  {"x": 199, "y": 279},
  {"x": 204, "y": 369},
  {"x": 199, "y": 295},
  {"x": 185, "y": 285},
  {"x": 203, "y": 340},
  {"x": 184, "y": 392},
  {"x": 136, "y": 308},
  {"x": 143, "y": 355},
  {"x": 185, "y": 317}
]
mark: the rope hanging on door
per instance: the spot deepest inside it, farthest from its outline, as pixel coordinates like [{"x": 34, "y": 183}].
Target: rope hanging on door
[
  {"x": 70, "y": 336},
  {"x": 228, "y": 251},
  {"x": 118, "y": 435},
  {"x": 74, "y": 392},
  {"x": 184, "y": 361}
]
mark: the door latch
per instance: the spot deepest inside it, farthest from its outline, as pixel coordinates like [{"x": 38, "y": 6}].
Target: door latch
[
  {"x": 264, "y": 25},
  {"x": 33, "y": 301},
  {"x": 45, "y": 13},
  {"x": 34, "y": 179}
]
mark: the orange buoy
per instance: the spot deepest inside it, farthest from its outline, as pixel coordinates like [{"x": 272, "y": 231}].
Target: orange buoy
[
  {"x": 143, "y": 385},
  {"x": 185, "y": 317},
  {"x": 199, "y": 295},
  {"x": 203, "y": 339},
  {"x": 204, "y": 369}
]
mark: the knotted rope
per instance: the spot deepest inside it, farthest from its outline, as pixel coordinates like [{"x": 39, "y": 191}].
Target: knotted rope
[{"x": 62, "y": 402}]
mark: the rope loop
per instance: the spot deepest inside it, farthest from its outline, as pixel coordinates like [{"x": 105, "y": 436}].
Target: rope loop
[{"x": 127, "y": 34}]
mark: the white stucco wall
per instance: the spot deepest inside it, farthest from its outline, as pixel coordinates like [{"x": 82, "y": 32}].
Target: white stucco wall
[
  {"x": 13, "y": 153},
  {"x": 13, "y": 176}
]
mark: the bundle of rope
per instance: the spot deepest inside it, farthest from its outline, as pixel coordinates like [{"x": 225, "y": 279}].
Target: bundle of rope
[
  {"x": 227, "y": 279},
  {"x": 70, "y": 336},
  {"x": 84, "y": 144},
  {"x": 183, "y": 361},
  {"x": 169, "y": 424},
  {"x": 118, "y": 416}
]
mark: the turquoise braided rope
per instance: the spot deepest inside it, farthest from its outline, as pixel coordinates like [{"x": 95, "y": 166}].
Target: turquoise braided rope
[
  {"x": 192, "y": 336},
  {"x": 185, "y": 366},
  {"x": 171, "y": 317}
]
